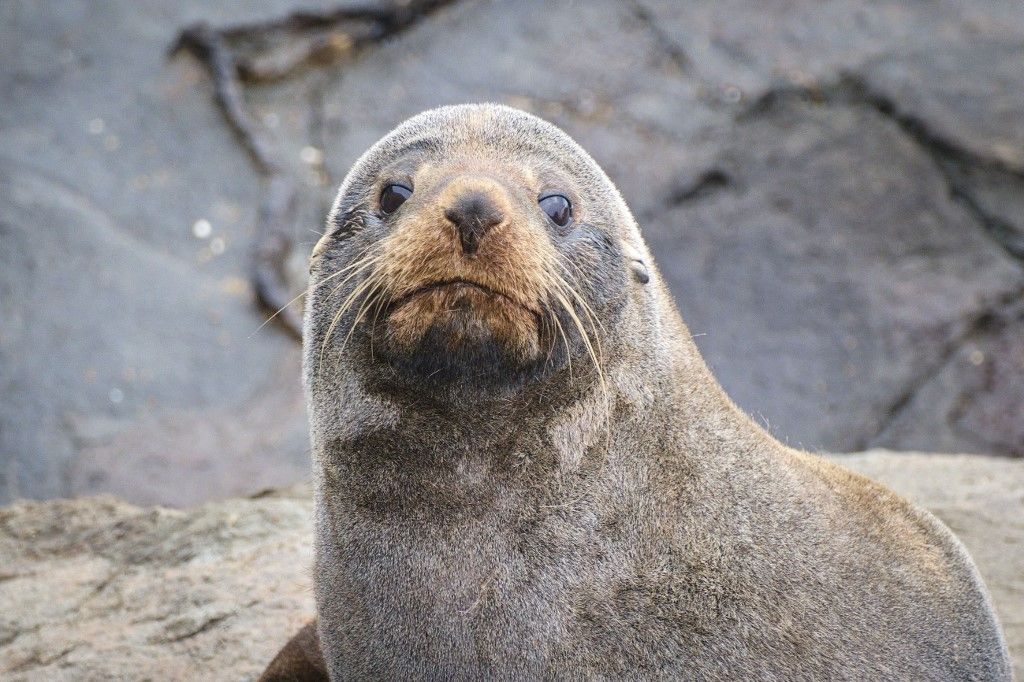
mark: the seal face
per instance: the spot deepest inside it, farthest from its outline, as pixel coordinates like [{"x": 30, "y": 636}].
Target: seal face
[{"x": 462, "y": 248}]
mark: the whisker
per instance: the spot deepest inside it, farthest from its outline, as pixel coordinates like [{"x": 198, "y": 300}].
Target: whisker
[
  {"x": 364, "y": 307},
  {"x": 365, "y": 265},
  {"x": 378, "y": 306},
  {"x": 567, "y": 306},
  {"x": 310, "y": 289},
  {"x": 565, "y": 340},
  {"x": 547, "y": 329},
  {"x": 342, "y": 309},
  {"x": 563, "y": 286},
  {"x": 594, "y": 320}
]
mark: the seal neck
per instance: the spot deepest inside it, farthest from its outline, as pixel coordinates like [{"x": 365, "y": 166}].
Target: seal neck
[{"x": 394, "y": 453}]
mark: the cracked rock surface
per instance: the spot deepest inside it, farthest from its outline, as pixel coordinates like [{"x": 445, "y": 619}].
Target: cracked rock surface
[
  {"x": 835, "y": 193},
  {"x": 96, "y": 589}
]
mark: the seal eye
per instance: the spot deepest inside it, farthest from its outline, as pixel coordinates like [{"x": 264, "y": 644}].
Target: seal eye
[
  {"x": 558, "y": 208},
  {"x": 393, "y": 196}
]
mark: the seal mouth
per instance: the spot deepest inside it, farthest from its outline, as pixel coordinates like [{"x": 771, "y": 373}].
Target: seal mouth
[
  {"x": 460, "y": 327},
  {"x": 459, "y": 284}
]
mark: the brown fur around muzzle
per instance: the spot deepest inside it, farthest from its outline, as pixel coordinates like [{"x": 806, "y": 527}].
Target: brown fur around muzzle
[{"x": 461, "y": 280}]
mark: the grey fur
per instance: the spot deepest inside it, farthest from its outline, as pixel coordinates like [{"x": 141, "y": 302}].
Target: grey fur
[{"x": 558, "y": 528}]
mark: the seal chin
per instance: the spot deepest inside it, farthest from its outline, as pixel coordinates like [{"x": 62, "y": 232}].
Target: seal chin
[{"x": 456, "y": 327}]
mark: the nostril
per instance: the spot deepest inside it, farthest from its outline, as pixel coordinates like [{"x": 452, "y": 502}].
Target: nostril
[
  {"x": 456, "y": 216},
  {"x": 473, "y": 215}
]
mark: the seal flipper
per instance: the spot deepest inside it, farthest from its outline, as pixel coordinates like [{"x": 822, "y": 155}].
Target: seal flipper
[{"x": 299, "y": 661}]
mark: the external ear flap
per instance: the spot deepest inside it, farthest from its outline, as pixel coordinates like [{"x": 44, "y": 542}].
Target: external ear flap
[
  {"x": 321, "y": 245},
  {"x": 636, "y": 263},
  {"x": 640, "y": 273}
]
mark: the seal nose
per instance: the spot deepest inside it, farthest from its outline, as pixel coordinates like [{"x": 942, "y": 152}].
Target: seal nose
[{"x": 473, "y": 214}]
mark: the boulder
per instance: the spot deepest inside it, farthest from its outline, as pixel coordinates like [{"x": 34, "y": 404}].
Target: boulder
[
  {"x": 97, "y": 589},
  {"x": 832, "y": 190}
]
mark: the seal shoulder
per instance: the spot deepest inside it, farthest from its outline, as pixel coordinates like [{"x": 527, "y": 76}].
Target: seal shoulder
[{"x": 942, "y": 598}]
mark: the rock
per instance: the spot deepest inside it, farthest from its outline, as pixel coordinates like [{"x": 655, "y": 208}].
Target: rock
[
  {"x": 126, "y": 338},
  {"x": 827, "y": 269},
  {"x": 95, "y": 589},
  {"x": 829, "y": 286},
  {"x": 973, "y": 401},
  {"x": 514, "y": 53},
  {"x": 830, "y": 361}
]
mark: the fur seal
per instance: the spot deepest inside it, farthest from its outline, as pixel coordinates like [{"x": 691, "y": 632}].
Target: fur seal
[{"x": 524, "y": 469}]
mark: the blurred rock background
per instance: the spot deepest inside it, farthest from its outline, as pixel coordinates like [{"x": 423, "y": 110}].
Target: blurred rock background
[{"x": 834, "y": 190}]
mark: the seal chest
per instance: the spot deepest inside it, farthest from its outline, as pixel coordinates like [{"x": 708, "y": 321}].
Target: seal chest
[{"x": 524, "y": 469}]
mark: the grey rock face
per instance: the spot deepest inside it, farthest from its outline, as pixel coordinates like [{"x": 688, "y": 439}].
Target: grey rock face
[
  {"x": 96, "y": 589},
  {"x": 974, "y": 401},
  {"x": 833, "y": 190},
  {"x": 127, "y": 340},
  {"x": 831, "y": 259}
]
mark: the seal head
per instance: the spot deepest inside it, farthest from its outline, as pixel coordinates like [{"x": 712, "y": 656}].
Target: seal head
[{"x": 468, "y": 248}]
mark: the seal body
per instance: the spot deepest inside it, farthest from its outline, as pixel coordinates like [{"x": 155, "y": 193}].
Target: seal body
[{"x": 523, "y": 468}]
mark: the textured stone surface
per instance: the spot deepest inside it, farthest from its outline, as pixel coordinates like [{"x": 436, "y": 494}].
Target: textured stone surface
[
  {"x": 124, "y": 336},
  {"x": 96, "y": 589},
  {"x": 974, "y": 401},
  {"x": 828, "y": 264},
  {"x": 833, "y": 190}
]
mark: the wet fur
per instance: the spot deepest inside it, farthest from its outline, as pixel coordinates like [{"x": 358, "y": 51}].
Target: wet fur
[{"x": 550, "y": 521}]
